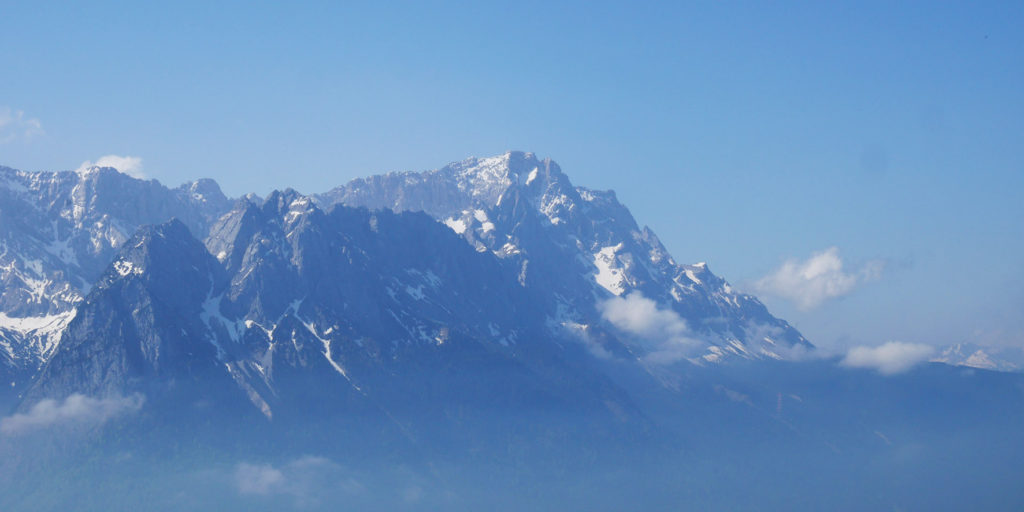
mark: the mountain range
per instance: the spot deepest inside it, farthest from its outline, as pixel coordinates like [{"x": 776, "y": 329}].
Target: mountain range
[
  {"x": 575, "y": 251},
  {"x": 484, "y": 326}
]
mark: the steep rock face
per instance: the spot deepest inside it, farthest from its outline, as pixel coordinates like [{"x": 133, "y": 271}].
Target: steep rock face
[
  {"x": 383, "y": 301},
  {"x": 59, "y": 231},
  {"x": 582, "y": 245},
  {"x": 348, "y": 319},
  {"x": 141, "y": 324}
]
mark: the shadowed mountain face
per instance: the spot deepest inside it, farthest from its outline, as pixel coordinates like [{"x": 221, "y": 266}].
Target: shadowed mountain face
[
  {"x": 141, "y": 323},
  {"x": 58, "y": 232},
  {"x": 505, "y": 340},
  {"x": 314, "y": 317}
]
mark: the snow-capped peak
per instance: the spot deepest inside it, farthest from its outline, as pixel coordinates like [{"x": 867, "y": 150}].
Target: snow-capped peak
[{"x": 581, "y": 243}]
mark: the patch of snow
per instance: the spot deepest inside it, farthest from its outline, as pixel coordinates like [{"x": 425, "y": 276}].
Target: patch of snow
[
  {"x": 532, "y": 176},
  {"x": 737, "y": 347},
  {"x": 610, "y": 278},
  {"x": 508, "y": 249},
  {"x": 553, "y": 204},
  {"x": 249, "y": 324},
  {"x": 714, "y": 355},
  {"x": 327, "y": 350},
  {"x": 126, "y": 267},
  {"x": 980, "y": 360},
  {"x": 209, "y": 314},
  {"x": 457, "y": 225},
  {"x": 30, "y": 324},
  {"x": 40, "y": 289},
  {"x": 253, "y": 395},
  {"x": 44, "y": 332},
  {"x": 693, "y": 277}
]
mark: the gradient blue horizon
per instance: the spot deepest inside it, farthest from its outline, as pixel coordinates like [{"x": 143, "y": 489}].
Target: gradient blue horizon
[{"x": 744, "y": 134}]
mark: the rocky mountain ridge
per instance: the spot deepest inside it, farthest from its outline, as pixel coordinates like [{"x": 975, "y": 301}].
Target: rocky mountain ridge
[
  {"x": 486, "y": 333},
  {"x": 59, "y": 231},
  {"x": 582, "y": 244}
]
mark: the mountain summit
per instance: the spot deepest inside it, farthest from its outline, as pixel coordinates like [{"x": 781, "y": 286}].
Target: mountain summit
[{"x": 585, "y": 248}]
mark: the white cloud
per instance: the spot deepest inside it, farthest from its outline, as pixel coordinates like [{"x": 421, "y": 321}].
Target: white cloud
[
  {"x": 662, "y": 332},
  {"x": 819, "y": 278},
  {"x": 75, "y": 409},
  {"x": 306, "y": 479},
  {"x": 130, "y": 165},
  {"x": 261, "y": 479},
  {"x": 14, "y": 125},
  {"x": 889, "y": 358}
]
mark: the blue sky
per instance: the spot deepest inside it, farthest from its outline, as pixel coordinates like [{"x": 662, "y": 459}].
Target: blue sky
[{"x": 744, "y": 134}]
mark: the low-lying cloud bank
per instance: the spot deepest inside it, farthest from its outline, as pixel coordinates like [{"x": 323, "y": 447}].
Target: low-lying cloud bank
[
  {"x": 661, "y": 332},
  {"x": 75, "y": 409},
  {"x": 817, "y": 279},
  {"x": 889, "y": 358}
]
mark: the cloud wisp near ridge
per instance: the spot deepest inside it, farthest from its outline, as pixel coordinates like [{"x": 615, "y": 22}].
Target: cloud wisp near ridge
[
  {"x": 822, "y": 277},
  {"x": 130, "y": 165}
]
